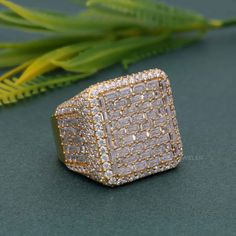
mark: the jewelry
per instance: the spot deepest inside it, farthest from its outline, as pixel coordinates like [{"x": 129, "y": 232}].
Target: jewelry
[{"x": 120, "y": 130}]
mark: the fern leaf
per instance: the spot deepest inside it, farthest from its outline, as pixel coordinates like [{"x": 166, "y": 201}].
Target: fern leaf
[
  {"x": 12, "y": 54},
  {"x": 166, "y": 45},
  {"x": 10, "y": 92},
  {"x": 156, "y": 14},
  {"x": 10, "y": 19},
  {"x": 43, "y": 64},
  {"x": 49, "y": 21},
  {"x": 105, "y": 54},
  {"x": 14, "y": 71},
  {"x": 13, "y": 57},
  {"x": 107, "y": 32}
]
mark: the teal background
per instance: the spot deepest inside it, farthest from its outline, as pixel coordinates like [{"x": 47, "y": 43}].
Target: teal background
[{"x": 39, "y": 196}]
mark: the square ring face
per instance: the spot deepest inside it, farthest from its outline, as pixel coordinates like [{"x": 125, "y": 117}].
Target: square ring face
[{"x": 136, "y": 127}]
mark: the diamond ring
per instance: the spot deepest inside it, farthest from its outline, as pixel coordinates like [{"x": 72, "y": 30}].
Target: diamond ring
[{"x": 120, "y": 130}]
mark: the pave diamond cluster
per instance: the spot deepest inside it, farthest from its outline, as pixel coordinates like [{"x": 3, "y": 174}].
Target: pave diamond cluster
[{"x": 120, "y": 130}]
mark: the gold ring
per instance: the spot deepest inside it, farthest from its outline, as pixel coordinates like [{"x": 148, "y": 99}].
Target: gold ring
[{"x": 120, "y": 130}]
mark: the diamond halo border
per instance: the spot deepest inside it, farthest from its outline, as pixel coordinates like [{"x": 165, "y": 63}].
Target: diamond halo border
[{"x": 94, "y": 92}]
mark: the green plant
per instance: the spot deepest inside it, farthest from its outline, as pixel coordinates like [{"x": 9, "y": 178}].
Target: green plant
[{"x": 105, "y": 33}]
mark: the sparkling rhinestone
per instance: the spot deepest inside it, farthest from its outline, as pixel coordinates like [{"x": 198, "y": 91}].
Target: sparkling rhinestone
[
  {"x": 108, "y": 174},
  {"x": 94, "y": 102},
  {"x": 153, "y": 162},
  {"x": 125, "y": 91},
  {"x": 141, "y": 136},
  {"x": 128, "y": 139},
  {"x": 114, "y": 114},
  {"x": 145, "y": 154},
  {"x": 95, "y": 92},
  {"x": 106, "y": 166},
  {"x": 138, "y": 118},
  {"x": 112, "y": 181},
  {"x": 103, "y": 150},
  {"x": 124, "y": 170},
  {"x": 131, "y": 79},
  {"x": 98, "y": 126},
  {"x": 131, "y": 159},
  {"x": 104, "y": 157},
  {"x": 139, "y": 123},
  {"x": 135, "y": 98},
  {"x": 111, "y": 96},
  {"x": 133, "y": 128},
  {"x": 98, "y": 118},
  {"x": 99, "y": 133},
  {"x": 140, "y": 165},
  {"x": 167, "y": 157},
  {"x": 95, "y": 110},
  {"x": 137, "y": 148},
  {"x": 101, "y": 142},
  {"x": 152, "y": 84}
]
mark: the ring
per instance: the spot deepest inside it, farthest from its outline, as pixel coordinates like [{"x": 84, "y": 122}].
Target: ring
[{"x": 120, "y": 130}]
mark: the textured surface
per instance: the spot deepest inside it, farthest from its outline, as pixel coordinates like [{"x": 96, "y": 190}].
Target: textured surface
[
  {"x": 39, "y": 196},
  {"x": 120, "y": 130},
  {"x": 139, "y": 126}
]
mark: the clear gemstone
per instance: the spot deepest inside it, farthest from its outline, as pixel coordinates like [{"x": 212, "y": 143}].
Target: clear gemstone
[
  {"x": 124, "y": 92},
  {"x": 127, "y": 139},
  {"x": 135, "y": 98},
  {"x": 98, "y": 118},
  {"x": 106, "y": 165},
  {"x": 101, "y": 142},
  {"x": 167, "y": 157},
  {"x": 103, "y": 150},
  {"x": 98, "y": 126},
  {"x": 124, "y": 170},
  {"x": 110, "y": 96},
  {"x": 108, "y": 174},
  {"x": 124, "y": 121},
  {"x": 104, "y": 157},
  {"x": 140, "y": 165},
  {"x": 138, "y": 118},
  {"x": 132, "y": 128},
  {"x": 141, "y": 136},
  {"x": 153, "y": 162},
  {"x": 137, "y": 148},
  {"x": 152, "y": 84},
  {"x": 114, "y": 114},
  {"x": 99, "y": 133},
  {"x": 95, "y": 110},
  {"x": 94, "y": 102},
  {"x": 138, "y": 88}
]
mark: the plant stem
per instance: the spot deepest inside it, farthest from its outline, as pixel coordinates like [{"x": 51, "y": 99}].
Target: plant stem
[
  {"x": 216, "y": 24},
  {"x": 228, "y": 23}
]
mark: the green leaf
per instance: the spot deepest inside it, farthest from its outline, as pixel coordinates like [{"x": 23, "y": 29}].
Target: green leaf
[
  {"x": 13, "y": 57},
  {"x": 12, "y": 54},
  {"x": 163, "y": 46},
  {"x": 47, "y": 20},
  {"x": 10, "y": 92},
  {"x": 54, "y": 22},
  {"x": 105, "y": 33},
  {"x": 158, "y": 15},
  {"x": 10, "y": 19},
  {"x": 43, "y": 64},
  {"x": 105, "y": 54}
]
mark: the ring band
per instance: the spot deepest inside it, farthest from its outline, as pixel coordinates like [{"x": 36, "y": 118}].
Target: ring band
[{"x": 120, "y": 130}]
